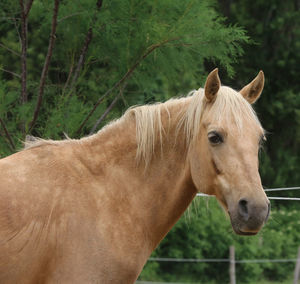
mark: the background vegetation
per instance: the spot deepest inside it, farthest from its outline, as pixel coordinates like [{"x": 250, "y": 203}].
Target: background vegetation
[{"x": 69, "y": 67}]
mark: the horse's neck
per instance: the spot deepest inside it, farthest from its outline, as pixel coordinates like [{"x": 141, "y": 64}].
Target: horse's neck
[{"x": 151, "y": 198}]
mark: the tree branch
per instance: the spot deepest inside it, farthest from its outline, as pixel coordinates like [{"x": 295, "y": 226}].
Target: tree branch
[
  {"x": 69, "y": 76},
  {"x": 46, "y": 64},
  {"x": 11, "y": 142},
  {"x": 24, "y": 24},
  {"x": 81, "y": 60},
  {"x": 127, "y": 75},
  {"x": 10, "y": 72},
  {"x": 88, "y": 39},
  {"x": 17, "y": 29},
  {"x": 27, "y": 9},
  {"x": 69, "y": 16},
  {"x": 110, "y": 107},
  {"x": 24, "y": 42},
  {"x": 9, "y": 49}
]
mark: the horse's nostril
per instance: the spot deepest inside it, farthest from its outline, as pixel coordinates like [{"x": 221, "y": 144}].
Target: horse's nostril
[{"x": 243, "y": 209}]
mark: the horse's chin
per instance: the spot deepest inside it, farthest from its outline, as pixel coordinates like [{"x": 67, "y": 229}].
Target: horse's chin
[
  {"x": 240, "y": 228},
  {"x": 242, "y": 233}
]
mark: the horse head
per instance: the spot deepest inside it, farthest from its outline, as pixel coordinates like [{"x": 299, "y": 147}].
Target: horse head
[{"x": 224, "y": 156}]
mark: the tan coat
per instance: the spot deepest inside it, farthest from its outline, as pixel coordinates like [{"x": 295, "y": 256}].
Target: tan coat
[{"x": 90, "y": 211}]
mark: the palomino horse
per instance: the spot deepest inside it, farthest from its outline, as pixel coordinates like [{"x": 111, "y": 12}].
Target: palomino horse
[{"x": 92, "y": 210}]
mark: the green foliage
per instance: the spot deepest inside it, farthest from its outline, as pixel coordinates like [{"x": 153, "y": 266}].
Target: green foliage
[
  {"x": 205, "y": 232},
  {"x": 275, "y": 27},
  {"x": 169, "y": 46},
  {"x": 164, "y": 44}
]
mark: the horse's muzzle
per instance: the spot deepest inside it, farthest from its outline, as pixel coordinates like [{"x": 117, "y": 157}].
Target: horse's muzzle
[{"x": 248, "y": 217}]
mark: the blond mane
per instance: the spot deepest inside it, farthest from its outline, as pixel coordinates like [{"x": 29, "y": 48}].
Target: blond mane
[
  {"x": 229, "y": 105},
  {"x": 150, "y": 130}
]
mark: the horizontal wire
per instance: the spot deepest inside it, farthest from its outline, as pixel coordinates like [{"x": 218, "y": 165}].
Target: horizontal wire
[
  {"x": 282, "y": 188},
  {"x": 284, "y": 198},
  {"x": 196, "y": 260},
  {"x": 269, "y": 197},
  {"x": 265, "y": 260},
  {"x": 269, "y": 190},
  {"x": 168, "y": 259},
  {"x": 155, "y": 282}
]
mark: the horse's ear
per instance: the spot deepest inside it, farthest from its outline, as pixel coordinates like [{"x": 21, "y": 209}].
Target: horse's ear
[
  {"x": 252, "y": 91},
  {"x": 212, "y": 85}
]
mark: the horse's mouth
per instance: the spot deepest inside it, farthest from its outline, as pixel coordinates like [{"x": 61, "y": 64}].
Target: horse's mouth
[
  {"x": 238, "y": 231},
  {"x": 241, "y": 233}
]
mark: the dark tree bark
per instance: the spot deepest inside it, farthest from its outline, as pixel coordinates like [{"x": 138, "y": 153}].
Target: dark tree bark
[
  {"x": 11, "y": 142},
  {"x": 24, "y": 23},
  {"x": 110, "y": 107},
  {"x": 88, "y": 39},
  {"x": 127, "y": 75},
  {"x": 46, "y": 65}
]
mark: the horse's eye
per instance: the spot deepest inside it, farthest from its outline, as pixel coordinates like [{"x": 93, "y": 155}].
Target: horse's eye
[{"x": 215, "y": 138}]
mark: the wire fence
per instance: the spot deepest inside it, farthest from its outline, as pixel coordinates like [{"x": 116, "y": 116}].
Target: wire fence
[
  {"x": 166, "y": 259},
  {"x": 155, "y": 282},
  {"x": 270, "y": 190},
  {"x": 232, "y": 261},
  {"x": 217, "y": 260},
  {"x": 282, "y": 188}
]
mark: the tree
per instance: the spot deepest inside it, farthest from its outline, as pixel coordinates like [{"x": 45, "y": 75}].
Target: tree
[
  {"x": 99, "y": 58},
  {"x": 275, "y": 28}
]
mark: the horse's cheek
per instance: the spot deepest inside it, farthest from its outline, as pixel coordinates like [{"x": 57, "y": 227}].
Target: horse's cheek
[{"x": 201, "y": 170}]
